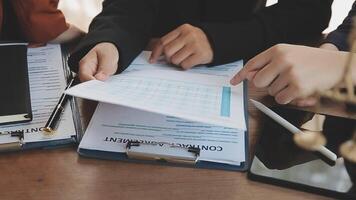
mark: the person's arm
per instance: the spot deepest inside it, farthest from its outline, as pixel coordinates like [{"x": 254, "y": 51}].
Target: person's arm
[
  {"x": 288, "y": 21},
  {"x": 40, "y": 20},
  {"x": 127, "y": 24},
  {"x": 292, "y": 72},
  {"x": 339, "y": 37}
]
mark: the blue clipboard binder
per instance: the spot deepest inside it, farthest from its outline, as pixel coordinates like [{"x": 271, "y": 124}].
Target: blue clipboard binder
[
  {"x": 200, "y": 164},
  {"x": 70, "y": 141}
]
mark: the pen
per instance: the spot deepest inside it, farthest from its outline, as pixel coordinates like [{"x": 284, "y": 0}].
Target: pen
[
  {"x": 56, "y": 113},
  {"x": 322, "y": 149}
]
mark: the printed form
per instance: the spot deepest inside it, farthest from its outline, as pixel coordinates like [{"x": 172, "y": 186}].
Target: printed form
[
  {"x": 112, "y": 126},
  {"x": 47, "y": 82},
  {"x": 198, "y": 97}
]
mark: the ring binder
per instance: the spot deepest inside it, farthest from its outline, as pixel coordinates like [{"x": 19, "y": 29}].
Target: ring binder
[{"x": 162, "y": 152}]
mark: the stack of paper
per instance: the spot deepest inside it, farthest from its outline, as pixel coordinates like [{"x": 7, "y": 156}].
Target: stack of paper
[{"x": 160, "y": 103}]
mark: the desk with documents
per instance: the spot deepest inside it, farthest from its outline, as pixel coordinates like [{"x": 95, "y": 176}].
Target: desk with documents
[{"x": 62, "y": 174}]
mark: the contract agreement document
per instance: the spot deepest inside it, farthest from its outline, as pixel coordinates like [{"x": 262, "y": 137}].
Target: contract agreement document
[
  {"x": 160, "y": 103},
  {"x": 47, "y": 77}
]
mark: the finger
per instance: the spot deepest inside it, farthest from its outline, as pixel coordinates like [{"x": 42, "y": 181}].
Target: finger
[
  {"x": 267, "y": 74},
  {"x": 181, "y": 55},
  {"x": 157, "y": 51},
  {"x": 190, "y": 62},
  {"x": 169, "y": 37},
  {"x": 236, "y": 80},
  {"x": 305, "y": 102},
  {"x": 101, "y": 76},
  {"x": 253, "y": 65},
  {"x": 279, "y": 84},
  {"x": 251, "y": 75},
  {"x": 286, "y": 95},
  {"x": 173, "y": 47},
  {"x": 87, "y": 67},
  {"x": 256, "y": 63},
  {"x": 85, "y": 74}
]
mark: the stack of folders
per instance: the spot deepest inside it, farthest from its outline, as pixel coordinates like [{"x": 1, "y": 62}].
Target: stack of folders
[
  {"x": 31, "y": 87},
  {"x": 158, "y": 112}
]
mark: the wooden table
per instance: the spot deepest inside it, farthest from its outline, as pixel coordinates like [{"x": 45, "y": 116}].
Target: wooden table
[{"x": 63, "y": 174}]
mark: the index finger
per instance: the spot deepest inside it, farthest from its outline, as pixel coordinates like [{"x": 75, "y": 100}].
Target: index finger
[
  {"x": 156, "y": 52},
  {"x": 169, "y": 37},
  {"x": 85, "y": 74},
  {"x": 159, "y": 47},
  {"x": 253, "y": 66}
]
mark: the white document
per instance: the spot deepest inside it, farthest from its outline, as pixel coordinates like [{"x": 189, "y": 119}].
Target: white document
[
  {"x": 112, "y": 126},
  {"x": 141, "y": 63},
  {"x": 47, "y": 83},
  {"x": 199, "y": 97}
]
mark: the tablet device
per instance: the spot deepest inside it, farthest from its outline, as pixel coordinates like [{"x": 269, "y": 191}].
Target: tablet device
[{"x": 278, "y": 160}]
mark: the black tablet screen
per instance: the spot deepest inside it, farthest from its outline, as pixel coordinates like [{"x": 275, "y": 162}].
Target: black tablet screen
[{"x": 279, "y": 160}]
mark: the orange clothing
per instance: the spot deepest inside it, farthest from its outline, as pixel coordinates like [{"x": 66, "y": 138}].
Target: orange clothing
[{"x": 39, "y": 20}]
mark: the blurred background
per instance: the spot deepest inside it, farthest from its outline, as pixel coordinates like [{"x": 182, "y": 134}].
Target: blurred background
[{"x": 81, "y": 12}]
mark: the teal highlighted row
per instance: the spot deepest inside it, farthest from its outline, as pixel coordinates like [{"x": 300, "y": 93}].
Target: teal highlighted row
[{"x": 225, "y": 102}]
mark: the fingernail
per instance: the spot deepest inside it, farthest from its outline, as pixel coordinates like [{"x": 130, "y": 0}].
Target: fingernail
[{"x": 101, "y": 76}]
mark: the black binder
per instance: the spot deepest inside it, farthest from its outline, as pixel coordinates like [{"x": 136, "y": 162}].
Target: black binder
[{"x": 15, "y": 103}]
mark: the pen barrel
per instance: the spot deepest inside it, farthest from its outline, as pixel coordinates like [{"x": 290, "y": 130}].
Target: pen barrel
[
  {"x": 54, "y": 118},
  {"x": 327, "y": 153},
  {"x": 322, "y": 149},
  {"x": 55, "y": 115}
]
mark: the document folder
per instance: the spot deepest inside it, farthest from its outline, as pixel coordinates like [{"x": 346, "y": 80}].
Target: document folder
[
  {"x": 165, "y": 158},
  {"x": 46, "y": 65}
]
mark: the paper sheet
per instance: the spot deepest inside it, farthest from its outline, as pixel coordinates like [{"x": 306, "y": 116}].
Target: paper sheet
[
  {"x": 198, "y": 97},
  {"x": 141, "y": 63},
  {"x": 47, "y": 83},
  {"x": 112, "y": 126}
]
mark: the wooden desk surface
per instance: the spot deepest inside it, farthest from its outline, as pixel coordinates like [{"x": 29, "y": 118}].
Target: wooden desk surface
[{"x": 63, "y": 174}]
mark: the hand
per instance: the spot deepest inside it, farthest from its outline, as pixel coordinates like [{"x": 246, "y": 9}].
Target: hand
[
  {"x": 186, "y": 46},
  {"x": 292, "y": 72},
  {"x": 99, "y": 63},
  {"x": 312, "y": 100}
]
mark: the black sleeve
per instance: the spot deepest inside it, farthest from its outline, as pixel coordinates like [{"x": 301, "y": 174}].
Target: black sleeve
[
  {"x": 340, "y": 35},
  {"x": 125, "y": 23},
  {"x": 288, "y": 21}
]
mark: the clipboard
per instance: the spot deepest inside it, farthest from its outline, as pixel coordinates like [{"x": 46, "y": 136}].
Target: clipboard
[
  {"x": 190, "y": 160},
  {"x": 14, "y": 140}
]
